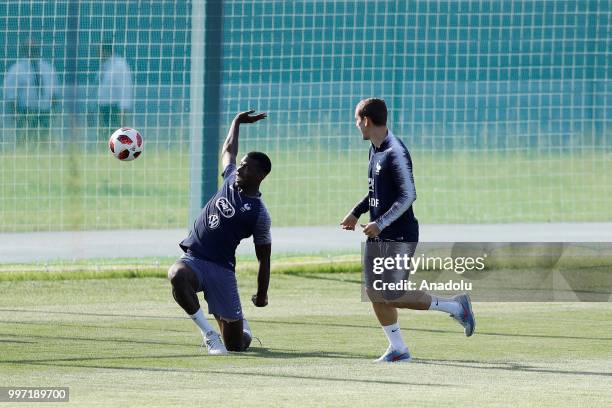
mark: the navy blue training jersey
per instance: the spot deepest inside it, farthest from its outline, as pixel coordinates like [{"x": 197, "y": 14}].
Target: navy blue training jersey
[
  {"x": 227, "y": 218},
  {"x": 391, "y": 191}
]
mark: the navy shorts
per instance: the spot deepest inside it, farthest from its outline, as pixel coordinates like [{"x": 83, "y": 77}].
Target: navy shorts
[
  {"x": 219, "y": 286},
  {"x": 376, "y": 248}
]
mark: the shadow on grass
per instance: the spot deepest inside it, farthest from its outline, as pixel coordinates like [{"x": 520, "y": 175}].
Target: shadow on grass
[
  {"x": 97, "y": 340},
  {"x": 259, "y": 352},
  {"x": 285, "y": 322},
  {"x": 229, "y": 372},
  {"x": 96, "y": 326},
  {"x": 506, "y": 366},
  {"x": 251, "y": 353},
  {"x": 17, "y": 341},
  {"x": 412, "y": 329},
  {"x": 262, "y": 352},
  {"x": 39, "y": 311}
]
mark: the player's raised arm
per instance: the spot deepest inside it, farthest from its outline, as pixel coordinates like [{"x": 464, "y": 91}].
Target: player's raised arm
[{"x": 230, "y": 146}]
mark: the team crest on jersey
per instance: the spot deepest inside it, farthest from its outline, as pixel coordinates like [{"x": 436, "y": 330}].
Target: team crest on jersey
[
  {"x": 378, "y": 168},
  {"x": 213, "y": 221},
  {"x": 226, "y": 208}
]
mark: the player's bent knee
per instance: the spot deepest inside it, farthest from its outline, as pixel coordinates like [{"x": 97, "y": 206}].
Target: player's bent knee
[
  {"x": 179, "y": 274},
  {"x": 391, "y": 299},
  {"x": 171, "y": 273},
  {"x": 374, "y": 296},
  {"x": 174, "y": 271}
]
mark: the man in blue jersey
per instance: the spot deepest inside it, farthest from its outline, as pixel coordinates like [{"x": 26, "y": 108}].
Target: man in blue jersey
[
  {"x": 235, "y": 212},
  {"x": 393, "y": 225}
]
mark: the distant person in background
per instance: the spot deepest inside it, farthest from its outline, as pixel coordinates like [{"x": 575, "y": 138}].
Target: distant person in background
[
  {"x": 115, "y": 89},
  {"x": 31, "y": 88}
]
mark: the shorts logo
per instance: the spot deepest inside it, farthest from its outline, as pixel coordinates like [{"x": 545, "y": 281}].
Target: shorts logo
[
  {"x": 225, "y": 207},
  {"x": 213, "y": 221}
]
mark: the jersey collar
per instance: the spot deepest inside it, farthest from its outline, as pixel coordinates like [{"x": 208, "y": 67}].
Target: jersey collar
[
  {"x": 385, "y": 143},
  {"x": 235, "y": 186}
]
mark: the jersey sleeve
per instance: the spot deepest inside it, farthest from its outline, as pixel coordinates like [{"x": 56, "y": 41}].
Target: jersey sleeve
[
  {"x": 401, "y": 171},
  {"x": 261, "y": 231},
  {"x": 228, "y": 171},
  {"x": 362, "y": 206}
]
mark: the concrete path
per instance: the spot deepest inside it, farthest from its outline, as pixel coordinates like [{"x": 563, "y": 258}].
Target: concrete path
[{"x": 53, "y": 246}]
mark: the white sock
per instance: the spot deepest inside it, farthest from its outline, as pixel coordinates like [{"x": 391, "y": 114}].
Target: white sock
[
  {"x": 395, "y": 337},
  {"x": 446, "y": 305},
  {"x": 199, "y": 319}
]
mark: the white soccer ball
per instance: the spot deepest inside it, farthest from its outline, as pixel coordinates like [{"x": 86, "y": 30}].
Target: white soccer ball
[{"x": 126, "y": 144}]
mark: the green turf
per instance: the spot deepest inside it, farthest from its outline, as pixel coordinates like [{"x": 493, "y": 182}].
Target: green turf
[
  {"x": 51, "y": 190},
  {"x": 158, "y": 268},
  {"x": 124, "y": 342},
  {"x": 45, "y": 190}
]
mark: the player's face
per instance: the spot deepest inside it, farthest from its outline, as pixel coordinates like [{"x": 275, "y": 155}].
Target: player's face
[
  {"x": 360, "y": 123},
  {"x": 246, "y": 174}
]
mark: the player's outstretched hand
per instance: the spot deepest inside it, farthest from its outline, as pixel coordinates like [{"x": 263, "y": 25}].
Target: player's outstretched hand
[
  {"x": 349, "y": 222},
  {"x": 245, "y": 117},
  {"x": 260, "y": 301},
  {"x": 371, "y": 229}
]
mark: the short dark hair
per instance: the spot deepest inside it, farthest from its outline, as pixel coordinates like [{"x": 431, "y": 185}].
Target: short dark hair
[
  {"x": 263, "y": 162},
  {"x": 375, "y": 109}
]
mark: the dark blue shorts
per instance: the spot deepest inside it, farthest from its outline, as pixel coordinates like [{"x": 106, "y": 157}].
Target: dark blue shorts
[
  {"x": 219, "y": 286},
  {"x": 377, "y": 248}
]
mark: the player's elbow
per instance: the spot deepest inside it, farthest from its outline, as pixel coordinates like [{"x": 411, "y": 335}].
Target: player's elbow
[{"x": 407, "y": 197}]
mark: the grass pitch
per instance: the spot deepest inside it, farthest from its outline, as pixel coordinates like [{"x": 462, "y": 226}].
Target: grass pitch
[
  {"x": 48, "y": 189},
  {"x": 124, "y": 342}
]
